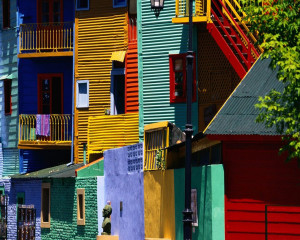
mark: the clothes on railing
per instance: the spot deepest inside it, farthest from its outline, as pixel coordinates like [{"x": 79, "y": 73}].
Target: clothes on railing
[{"x": 42, "y": 125}]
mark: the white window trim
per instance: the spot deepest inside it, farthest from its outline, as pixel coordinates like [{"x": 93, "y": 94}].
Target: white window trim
[
  {"x": 86, "y": 105},
  {"x": 83, "y": 9}
]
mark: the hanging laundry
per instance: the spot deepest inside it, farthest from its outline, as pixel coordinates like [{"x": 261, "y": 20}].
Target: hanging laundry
[{"x": 42, "y": 125}]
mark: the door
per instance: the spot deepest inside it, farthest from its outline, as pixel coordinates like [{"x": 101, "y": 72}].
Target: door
[
  {"x": 50, "y": 24},
  {"x": 50, "y": 93}
]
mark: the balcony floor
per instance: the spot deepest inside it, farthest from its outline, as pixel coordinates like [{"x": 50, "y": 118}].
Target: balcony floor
[
  {"x": 45, "y": 144},
  {"x": 186, "y": 19},
  {"x": 45, "y": 54}
]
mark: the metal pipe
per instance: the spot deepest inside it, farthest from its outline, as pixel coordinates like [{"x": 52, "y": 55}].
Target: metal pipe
[{"x": 187, "y": 213}]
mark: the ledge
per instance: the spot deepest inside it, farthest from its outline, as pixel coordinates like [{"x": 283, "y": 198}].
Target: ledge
[
  {"x": 107, "y": 237},
  {"x": 45, "y": 54},
  {"x": 186, "y": 19},
  {"x": 44, "y": 145}
]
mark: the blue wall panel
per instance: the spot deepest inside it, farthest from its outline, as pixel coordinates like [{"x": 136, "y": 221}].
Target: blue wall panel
[
  {"x": 29, "y": 9},
  {"x": 128, "y": 188},
  {"x": 28, "y": 75}
]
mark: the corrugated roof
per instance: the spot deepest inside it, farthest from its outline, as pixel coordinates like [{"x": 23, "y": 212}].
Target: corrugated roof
[
  {"x": 238, "y": 114},
  {"x": 61, "y": 171}
]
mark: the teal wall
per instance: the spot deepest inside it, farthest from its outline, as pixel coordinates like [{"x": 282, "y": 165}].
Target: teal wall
[
  {"x": 8, "y": 66},
  {"x": 64, "y": 210},
  {"x": 209, "y": 182},
  {"x": 157, "y": 38}
]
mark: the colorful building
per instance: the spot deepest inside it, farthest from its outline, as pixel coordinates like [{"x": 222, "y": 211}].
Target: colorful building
[
  {"x": 223, "y": 55},
  {"x": 261, "y": 189},
  {"x": 106, "y": 83},
  {"x": 9, "y": 154},
  {"x": 45, "y": 82}
]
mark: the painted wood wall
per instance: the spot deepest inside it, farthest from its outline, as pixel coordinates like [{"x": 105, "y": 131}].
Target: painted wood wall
[
  {"x": 8, "y": 66},
  {"x": 99, "y": 32},
  {"x": 157, "y": 38}
]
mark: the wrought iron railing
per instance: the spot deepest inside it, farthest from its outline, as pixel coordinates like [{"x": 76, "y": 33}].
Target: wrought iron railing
[
  {"x": 59, "y": 129},
  {"x": 201, "y": 8},
  {"x": 46, "y": 37}
]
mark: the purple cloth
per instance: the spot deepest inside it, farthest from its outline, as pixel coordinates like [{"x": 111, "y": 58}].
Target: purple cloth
[{"x": 42, "y": 125}]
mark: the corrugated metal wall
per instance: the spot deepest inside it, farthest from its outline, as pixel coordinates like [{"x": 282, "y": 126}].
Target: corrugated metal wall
[
  {"x": 8, "y": 66},
  {"x": 100, "y": 31},
  {"x": 131, "y": 71},
  {"x": 106, "y": 132},
  {"x": 157, "y": 38}
]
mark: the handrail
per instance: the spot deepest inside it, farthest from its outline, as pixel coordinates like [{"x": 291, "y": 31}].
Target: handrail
[
  {"x": 59, "y": 128},
  {"x": 45, "y": 37}
]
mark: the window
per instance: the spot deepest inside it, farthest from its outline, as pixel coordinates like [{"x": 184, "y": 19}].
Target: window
[
  {"x": 117, "y": 89},
  {"x": 80, "y": 206},
  {"x": 82, "y": 93},
  {"x": 21, "y": 198},
  {"x": 50, "y": 95},
  {"x": 119, "y": 3},
  {"x": 178, "y": 78},
  {"x": 6, "y": 13},
  {"x": 7, "y": 96},
  {"x": 82, "y": 5},
  {"x": 45, "y": 208},
  {"x": 50, "y": 11}
]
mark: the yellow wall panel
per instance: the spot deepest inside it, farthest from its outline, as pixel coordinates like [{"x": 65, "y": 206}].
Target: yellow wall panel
[
  {"x": 99, "y": 32},
  {"x": 159, "y": 204}
]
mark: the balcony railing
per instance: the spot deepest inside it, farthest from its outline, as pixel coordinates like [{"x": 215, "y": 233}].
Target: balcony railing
[
  {"x": 46, "y": 37},
  {"x": 57, "y": 131},
  {"x": 201, "y": 8}
]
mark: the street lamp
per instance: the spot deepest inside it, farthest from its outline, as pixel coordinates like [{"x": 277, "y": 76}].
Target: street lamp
[
  {"x": 187, "y": 212},
  {"x": 157, "y": 4}
]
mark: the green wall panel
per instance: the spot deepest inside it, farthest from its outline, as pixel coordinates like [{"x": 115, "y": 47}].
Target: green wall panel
[
  {"x": 64, "y": 210},
  {"x": 157, "y": 38},
  {"x": 209, "y": 182}
]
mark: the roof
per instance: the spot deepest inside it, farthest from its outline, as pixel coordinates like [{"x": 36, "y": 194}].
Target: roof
[
  {"x": 60, "y": 171},
  {"x": 238, "y": 114}
]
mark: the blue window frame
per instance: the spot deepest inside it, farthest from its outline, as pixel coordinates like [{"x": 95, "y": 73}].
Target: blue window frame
[
  {"x": 82, "y": 5},
  {"x": 119, "y": 3}
]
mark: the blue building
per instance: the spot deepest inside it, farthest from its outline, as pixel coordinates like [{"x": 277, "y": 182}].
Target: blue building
[
  {"x": 9, "y": 154},
  {"x": 45, "y": 82}
]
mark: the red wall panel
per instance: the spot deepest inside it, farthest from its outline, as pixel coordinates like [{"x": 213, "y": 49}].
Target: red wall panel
[{"x": 256, "y": 176}]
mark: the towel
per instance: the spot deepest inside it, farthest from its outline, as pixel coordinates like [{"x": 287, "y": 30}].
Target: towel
[{"x": 42, "y": 125}]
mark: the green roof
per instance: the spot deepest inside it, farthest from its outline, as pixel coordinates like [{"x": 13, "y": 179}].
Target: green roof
[
  {"x": 60, "y": 171},
  {"x": 238, "y": 114}
]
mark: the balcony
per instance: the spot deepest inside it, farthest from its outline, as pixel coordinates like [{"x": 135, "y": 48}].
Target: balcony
[
  {"x": 52, "y": 131},
  {"x": 201, "y": 11},
  {"x": 46, "y": 40}
]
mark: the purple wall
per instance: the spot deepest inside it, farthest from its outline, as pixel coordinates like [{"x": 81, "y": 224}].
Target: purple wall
[{"x": 124, "y": 181}]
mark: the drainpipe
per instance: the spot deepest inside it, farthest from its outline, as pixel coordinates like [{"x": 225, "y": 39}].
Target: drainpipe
[
  {"x": 73, "y": 100},
  {"x": 84, "y": 153}
]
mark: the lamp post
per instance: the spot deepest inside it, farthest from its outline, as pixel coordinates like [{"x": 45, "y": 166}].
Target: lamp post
[{"x": 187, "y": 213}]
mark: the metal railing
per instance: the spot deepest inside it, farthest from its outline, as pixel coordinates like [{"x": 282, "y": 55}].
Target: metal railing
[
  {"x": 46, "y": 37},
  {"x": 201, "y": 8},
  {"x": 60, "y": 127}
]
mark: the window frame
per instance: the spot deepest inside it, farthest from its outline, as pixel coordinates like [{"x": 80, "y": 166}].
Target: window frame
[
  {"x": 116, "y": 72},
  {"x": 43, "y": 223},
  {"x": 83, "y": 9},
  {"x": 5, "y": 14},
  {"x": 39, "y": 11},
  {"x": 86, "y": 105},
  {"x": 7, "y": 85},
  {"x": 50, "y": 76},
  {"x": 81, "y": 221},
  {"x": 115, "y": 5},
  {"x": 181, "y": 99}
]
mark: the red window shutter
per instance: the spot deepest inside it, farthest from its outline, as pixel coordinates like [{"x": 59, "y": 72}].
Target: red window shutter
[
  {"x": 178, "y": 78},
  {"x": 7, "y": 96},
  {"x": 6, "y": 13}
]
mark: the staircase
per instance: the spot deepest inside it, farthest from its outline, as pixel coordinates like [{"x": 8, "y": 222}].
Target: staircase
[
  {"x": 225, "y": 24},
  {"x": 230, "y": 33}
]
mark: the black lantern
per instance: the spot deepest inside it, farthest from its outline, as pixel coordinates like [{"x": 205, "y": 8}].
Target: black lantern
[{"x": 157, "y": 4}]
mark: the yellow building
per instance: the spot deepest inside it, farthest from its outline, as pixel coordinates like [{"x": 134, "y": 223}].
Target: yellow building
[{"x": 106, "y": 105}]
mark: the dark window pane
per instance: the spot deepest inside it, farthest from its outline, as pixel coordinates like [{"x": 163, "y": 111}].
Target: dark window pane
[
  {"x": 46, "y": 98},
  {"x": 82, "y": 88},
  {"x": 7, "y": 95},
  {"x": 6, "y": 13},
  {"x": 82, "y": 3},
  {"x": 179, "y": 77},
  {"x": 56, "y": 95},
  {"x": 178, "y": 91},
  {"x": 80, "y": 198},
  {"x": 45, "y": 204},
  {"x": 45, "y": 85}
]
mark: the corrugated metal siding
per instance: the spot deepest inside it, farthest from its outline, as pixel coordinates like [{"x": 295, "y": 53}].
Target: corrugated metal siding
[
  {"x": 100, "y": 31},
  {"x": 131, "y": 69},
  {"x": 112, "y": 131},
  {"x": 157, "y": 38},
  {"x": 10, "y": 161}
]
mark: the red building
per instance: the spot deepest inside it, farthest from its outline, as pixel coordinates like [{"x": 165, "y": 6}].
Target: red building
[{"x": 262, "y": 191}]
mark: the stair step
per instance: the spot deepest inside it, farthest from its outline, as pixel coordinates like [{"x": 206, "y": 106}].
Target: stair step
[
  {"x": 238, "y": 45},
  {"x": 234, "y": 38}
]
